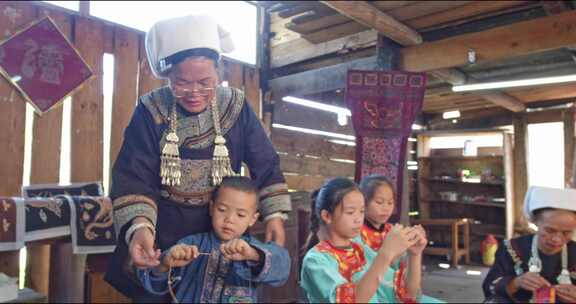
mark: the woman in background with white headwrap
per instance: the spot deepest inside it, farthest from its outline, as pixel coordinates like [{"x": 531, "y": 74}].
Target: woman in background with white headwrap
[
  {"x": 182, "y": 140},
  {"x": 541, "y": 266}
]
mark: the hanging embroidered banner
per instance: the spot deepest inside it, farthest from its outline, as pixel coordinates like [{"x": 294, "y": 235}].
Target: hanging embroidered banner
[
  {"x": 384, "y": 105},
  {"x": 11, "y": 224},
  {"x": 42, "y": 64}
]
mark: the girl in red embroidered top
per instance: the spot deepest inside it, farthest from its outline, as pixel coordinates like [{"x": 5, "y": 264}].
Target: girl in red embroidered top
[
  {"x": 379, "y": 197},
  {"x": 380, "y": 201},
  {"x": 339, "y": 270}
]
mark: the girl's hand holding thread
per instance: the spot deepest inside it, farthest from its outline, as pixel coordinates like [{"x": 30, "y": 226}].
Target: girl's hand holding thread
[
  {"x": 421, "y": 243},
  {"x": 398, "y": 240}
]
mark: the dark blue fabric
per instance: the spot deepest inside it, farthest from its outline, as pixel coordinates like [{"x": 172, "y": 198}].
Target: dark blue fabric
[{"x": 136, "y": 171}]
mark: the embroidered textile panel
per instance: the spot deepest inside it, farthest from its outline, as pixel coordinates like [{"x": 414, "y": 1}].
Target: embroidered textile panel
[{"x": 384, "y": 105}]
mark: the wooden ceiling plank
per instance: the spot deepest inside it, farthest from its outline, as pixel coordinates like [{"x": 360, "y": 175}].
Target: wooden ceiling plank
[
  {"x": 423, "y": 9},
  {"x": 300, "y": 49},
  {"x": 390, "y": 5},
  {"x": 514, "y": 40},
  {"x": 363, "y": 12},
  {"x": 334, "y": 32},
  {"x": 317, "y": 24},
  {"x": 461, "y": 12}
]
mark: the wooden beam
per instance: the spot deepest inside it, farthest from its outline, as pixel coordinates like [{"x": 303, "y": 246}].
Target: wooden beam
[
  {"x": 423, "y": 8},
  {"x": 87, "y": 106},
  {"x": 45, "y": 167},
  {"x": 461, "y": 13},
  {"x": 301, "y": 49},
  {"x": 542, "y": 93},
  {"x": 146, "y": 80},
  {"x": 84, "y": 8},
  {"x": 296, "y": 115},
  {"x": 315, "y": 166},
  {"x": 455, "y": 77},
  {"x": 505, "y": 101},
  {"x": 125, "y": 95},
  {"x": 304, "y": 182},
  {"x": 514, "y": 40},
  {"x": 569, "y": 144},
  {"x": 317, "y": 24},
  {"x": 364, "y": 13},
  {"x": 320, "y": 80},
  {"x": 520, "y": 172},
  {"x": 12, "y": 124},
  {"x": 555, "y": 7},
  {"x": 252, "y": 90},
  {"x": 451, "y": 76},
  {"x": 334, "y": 32},
  {"x": 309, "y": 144}
]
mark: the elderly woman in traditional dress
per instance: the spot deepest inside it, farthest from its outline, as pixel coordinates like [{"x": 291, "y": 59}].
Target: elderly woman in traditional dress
[
  {"x": 541, "y": 266},
  {"x": 182, "y": 140}
]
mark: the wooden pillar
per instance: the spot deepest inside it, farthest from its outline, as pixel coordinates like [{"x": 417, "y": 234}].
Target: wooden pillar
[
  {"x": 520, "y": 172},
  {"x": 146, "y": 80},
  {"x": 13, "y": 124},
  {"x": 509, "y": 179},
  {"x": 68, "y": 269},
  {"x": 388, "y": 54},
  {"x": 569, "y": 144},
  {"x": 45, "y": 168},
  {"x": 126, "y": 48},
  {"x": 388, "y": 58}
]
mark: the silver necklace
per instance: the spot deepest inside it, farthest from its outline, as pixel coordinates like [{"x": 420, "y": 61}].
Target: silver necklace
[{"x": 535, "y": 263}]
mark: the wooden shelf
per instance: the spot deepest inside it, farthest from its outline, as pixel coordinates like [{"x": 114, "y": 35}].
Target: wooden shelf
[
  {"x": 497, "y": 205},
  {"x": 455, "y": 181}
]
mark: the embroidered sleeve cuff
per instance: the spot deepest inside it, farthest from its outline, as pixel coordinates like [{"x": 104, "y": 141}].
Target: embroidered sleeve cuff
[
  {"x": 274, "y": 198},
  {"x": 126, "y": 208},
  {"x": 346, "y": 293},
  {"x": 264, "y": 264}
]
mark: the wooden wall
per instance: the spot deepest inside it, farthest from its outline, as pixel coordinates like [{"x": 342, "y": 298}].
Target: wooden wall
[{"x": 132, "y": 77}]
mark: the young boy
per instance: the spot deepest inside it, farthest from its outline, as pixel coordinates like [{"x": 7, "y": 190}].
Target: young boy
[{"x": 224, "y": 265}]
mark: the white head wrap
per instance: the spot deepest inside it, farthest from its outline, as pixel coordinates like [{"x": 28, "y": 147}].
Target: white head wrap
[
  {"x": 168, "y": 37},
  {"x": 543, "y": 197}
]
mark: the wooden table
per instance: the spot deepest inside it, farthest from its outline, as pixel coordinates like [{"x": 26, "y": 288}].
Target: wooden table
[{"x": 454, "y": 251}]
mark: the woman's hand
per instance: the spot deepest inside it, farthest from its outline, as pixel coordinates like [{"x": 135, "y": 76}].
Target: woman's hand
[
  {"x": 239, "y": 250},
  {"x": 141, "y": 249},
  {"x": 275, "y": 231},
  {"x": 566, "y": 293},
  {"x": 530, "y": 281}
]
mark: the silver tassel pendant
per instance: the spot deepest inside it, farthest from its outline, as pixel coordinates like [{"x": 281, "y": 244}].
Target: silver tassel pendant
[
  {"x": 221, "y": 166},
  {"x": 170, "y": 158}
]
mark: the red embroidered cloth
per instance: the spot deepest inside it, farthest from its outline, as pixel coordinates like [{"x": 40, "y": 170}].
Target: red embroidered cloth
[
  {"x": 42, "y": 64},
  {"x": 384, "y": 105}
]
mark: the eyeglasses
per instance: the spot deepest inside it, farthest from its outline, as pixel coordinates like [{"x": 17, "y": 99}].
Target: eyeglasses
[{"x": 180, "y": 92}]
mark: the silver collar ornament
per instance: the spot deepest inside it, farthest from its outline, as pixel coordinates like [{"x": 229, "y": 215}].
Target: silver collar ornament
[
  {"x": 535, "y": 263},
  {"x": 170, "y": 168}
]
